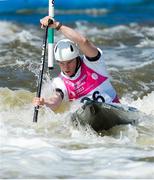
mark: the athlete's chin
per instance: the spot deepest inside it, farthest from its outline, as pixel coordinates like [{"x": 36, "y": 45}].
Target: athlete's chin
[{"x": 68, "y": 74}]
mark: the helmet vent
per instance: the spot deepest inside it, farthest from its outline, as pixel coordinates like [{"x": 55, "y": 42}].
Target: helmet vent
[
  {"x": 71, "y": 47},
  {"x": 56, "y": 49}
]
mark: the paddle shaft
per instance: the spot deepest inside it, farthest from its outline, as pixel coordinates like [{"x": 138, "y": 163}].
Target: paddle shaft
[
  {"x": 51, "y": 37},
  {"x": 44, "y": 45}
]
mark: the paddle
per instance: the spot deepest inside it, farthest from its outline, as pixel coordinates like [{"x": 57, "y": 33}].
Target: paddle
[
  {"x": 51, "y": 37},
  {"x": 41, "y": 70}
]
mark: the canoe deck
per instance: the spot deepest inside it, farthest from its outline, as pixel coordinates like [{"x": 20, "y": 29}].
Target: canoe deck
[{"x": 102, "y": 116}]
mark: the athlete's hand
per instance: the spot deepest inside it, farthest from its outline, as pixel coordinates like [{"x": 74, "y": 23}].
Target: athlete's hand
[
  {"x": 44, "y": 22},
  {"x": 38, "y": 101}
]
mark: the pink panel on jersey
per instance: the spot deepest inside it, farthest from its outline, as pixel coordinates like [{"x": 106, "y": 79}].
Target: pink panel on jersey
[{"x": 85, "y": 83}]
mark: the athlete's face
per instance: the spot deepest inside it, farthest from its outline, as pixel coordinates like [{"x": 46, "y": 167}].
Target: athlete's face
[{"x": 68, "y": 67}]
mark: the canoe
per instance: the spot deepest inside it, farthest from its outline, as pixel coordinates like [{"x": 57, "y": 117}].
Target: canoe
[
  {"x": 102, "y": 116},
  {"x": 7, "y": 6}
]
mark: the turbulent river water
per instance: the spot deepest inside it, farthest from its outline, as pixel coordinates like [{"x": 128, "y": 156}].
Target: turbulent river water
[{"x": 53, "y": 148}]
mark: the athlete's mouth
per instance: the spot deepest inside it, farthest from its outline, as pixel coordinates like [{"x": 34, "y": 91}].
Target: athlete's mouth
[{"x": 66, "y": 72}]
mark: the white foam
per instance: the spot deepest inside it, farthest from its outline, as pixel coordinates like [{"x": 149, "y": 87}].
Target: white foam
[
  {"x": 146, "y": 104},
  {"x": 10, "y": 32},
  {"x": 146, "y": 43}
]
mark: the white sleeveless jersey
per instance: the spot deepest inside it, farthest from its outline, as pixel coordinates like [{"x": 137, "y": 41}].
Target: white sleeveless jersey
[{"x": 90, "y": 80}]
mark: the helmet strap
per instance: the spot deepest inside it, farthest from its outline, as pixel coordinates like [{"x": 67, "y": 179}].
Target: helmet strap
[{"x": 78, "y": 64}]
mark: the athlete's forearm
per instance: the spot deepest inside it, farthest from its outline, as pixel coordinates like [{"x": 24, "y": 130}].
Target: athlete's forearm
[
  {"x": 73, "y": 35},
  {"x": 53, "y": 103}
]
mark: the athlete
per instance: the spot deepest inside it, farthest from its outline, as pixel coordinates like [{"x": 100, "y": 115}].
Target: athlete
[{"x": 81, "y": 76}]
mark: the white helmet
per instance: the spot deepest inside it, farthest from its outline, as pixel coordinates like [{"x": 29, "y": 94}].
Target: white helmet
[{"x": 65, "y": 50}]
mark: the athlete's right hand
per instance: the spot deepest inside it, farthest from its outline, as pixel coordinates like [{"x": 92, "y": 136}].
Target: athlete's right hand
[{"x": 38, "y": 101}]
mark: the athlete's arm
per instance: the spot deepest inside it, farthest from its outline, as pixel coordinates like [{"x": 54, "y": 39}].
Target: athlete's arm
[
  {"x": 87, "y": 47},
  {"x": 53, "y": 102}
]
